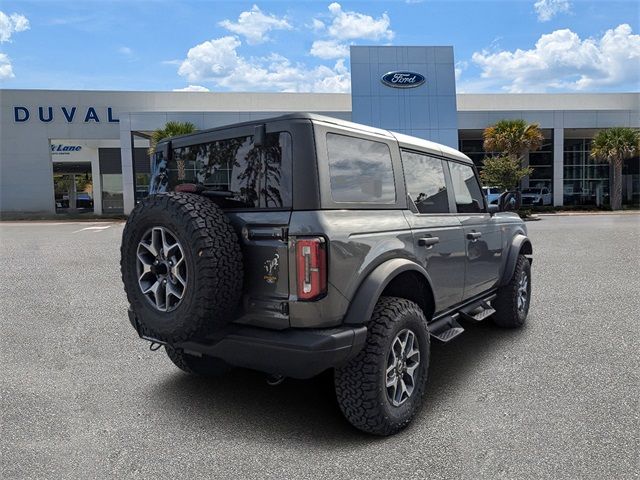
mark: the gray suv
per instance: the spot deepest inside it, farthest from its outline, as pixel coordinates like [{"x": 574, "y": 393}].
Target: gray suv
[{"x": 304, "y": 243}]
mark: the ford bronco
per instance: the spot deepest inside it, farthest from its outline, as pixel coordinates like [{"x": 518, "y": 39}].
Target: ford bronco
[{"x": 304, "y": 243}]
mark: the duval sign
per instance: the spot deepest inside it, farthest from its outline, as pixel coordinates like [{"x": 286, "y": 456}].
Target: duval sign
[
  {"x": 22, "y": 114},
  {"x": 402, "y": 79}
]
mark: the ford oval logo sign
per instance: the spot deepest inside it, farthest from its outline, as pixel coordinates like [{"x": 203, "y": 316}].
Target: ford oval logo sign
[{"x": 403, "y": 79}]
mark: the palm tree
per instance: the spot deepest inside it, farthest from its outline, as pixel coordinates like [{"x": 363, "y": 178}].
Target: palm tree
[
  {"x": 171, "y": 129},
  {"x": 513, "y": 138},
  {"x": 615, "y": 145}
]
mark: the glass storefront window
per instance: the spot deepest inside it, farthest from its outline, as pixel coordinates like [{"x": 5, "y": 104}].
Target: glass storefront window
[
  {"x": 112, "y": 200},
  {"x": 541, "y": 160},
  {"x": 586, "y": 180},
  {"x": 73, "y": 187}
]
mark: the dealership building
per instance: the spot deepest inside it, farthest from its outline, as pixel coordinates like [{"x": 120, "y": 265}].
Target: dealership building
[{"x": 86, "y": 151}]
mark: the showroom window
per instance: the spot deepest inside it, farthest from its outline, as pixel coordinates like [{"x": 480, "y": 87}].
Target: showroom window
[
  {"x": 542, "y": 163},
  {"x": 471, "y": 144},
  {"x": 586, "y": 180},
  {"x": 111, "y": 180}
]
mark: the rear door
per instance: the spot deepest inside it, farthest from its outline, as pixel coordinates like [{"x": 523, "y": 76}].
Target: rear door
[
  {"x": 253, "y": 184},
  {"x": 482, "y": 232},
  {"x": 436, "y": 229}
]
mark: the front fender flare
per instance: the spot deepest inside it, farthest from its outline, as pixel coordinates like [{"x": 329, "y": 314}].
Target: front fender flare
[
  {"x": 517, "y": 243},
  {"x": 369, "y": 291}
]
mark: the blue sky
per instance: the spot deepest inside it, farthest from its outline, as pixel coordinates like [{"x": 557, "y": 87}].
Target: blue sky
[{"x": 500, "y": 46}]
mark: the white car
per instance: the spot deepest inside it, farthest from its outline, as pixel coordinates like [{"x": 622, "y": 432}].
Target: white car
[
  {"x": 536, "y": 196},
  {"x": 492, "y": 194}
]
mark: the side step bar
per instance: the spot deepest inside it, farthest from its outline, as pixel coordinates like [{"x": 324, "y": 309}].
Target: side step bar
[
  {"x": 447, "y": 327},
  {"x": 479, "y": 311}
]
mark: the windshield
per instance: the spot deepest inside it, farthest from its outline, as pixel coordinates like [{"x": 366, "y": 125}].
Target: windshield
[{"x": 534, "y": 191}]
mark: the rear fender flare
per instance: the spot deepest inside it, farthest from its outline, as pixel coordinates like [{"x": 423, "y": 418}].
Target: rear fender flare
[
  {"x": 370, "y": 290},
  {"x": 518, "y": 242}
]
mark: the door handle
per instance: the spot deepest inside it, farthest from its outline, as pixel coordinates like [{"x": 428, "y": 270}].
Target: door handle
[
  {"x": 428, "y": 241},
  {"x": 474, "y": 235}
]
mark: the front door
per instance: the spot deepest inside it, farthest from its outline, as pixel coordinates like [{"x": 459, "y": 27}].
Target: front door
[
  {"x": 73, "y": 187},
  {"x": 482, "y": 234},
  {"x": 437, "y": 232}
]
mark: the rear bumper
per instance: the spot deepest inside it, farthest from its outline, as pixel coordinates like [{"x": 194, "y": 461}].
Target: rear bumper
[{"x": 293, "y": 352}]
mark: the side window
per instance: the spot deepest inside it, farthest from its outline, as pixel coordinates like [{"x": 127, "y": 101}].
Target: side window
[
  {"x": 360, "y": 170},
  {"x": 466, "y": 189},
  {"x": 426, "y": 184}
]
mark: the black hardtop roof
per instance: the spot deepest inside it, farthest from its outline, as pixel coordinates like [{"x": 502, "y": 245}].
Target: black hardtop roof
[{"x": 405, "y": 141}]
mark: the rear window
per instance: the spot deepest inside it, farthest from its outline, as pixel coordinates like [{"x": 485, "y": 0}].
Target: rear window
[
  {"x": 246, "y": 175},
  {"x": 360, "y": 170}
]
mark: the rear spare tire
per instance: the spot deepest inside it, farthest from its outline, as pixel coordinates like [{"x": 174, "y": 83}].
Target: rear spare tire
[{"x": 181, "y": 266}]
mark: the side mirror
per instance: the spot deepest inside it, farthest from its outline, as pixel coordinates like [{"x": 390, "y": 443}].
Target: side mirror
[{"x": 509, "y": 201}]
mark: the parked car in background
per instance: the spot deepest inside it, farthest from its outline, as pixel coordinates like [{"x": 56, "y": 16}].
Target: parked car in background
[
  {"x": 492, "y": 194},
  {"x": 536, "y": 196}
]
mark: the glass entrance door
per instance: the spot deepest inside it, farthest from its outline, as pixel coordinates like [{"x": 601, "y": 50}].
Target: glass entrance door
[{"x": 73, "y": 187}]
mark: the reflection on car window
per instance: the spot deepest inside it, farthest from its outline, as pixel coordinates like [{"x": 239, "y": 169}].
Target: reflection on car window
[
  {"x": 466, "y": 189},
  {"x": 360, "y": 170},
  {"x": 253, "y": 176},
  {"x": 426, "y": 183}
]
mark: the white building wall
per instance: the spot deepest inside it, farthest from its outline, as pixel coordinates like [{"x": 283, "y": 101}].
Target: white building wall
[
  {"x": 26, "y": 183},
  {"x": 26, "y": 173}
]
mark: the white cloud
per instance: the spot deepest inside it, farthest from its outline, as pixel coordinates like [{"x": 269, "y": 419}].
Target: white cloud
[
  {"x": 254, "y": 25},
  {"x": 10, "y": 24},
  {"x": 460, "y": 67},
  {"x": 346, "y": 25},
  {"x": 317, "y": 25},
  {"x": 192, "y": 88},
  {"x": 125, "y": 51},
  {"x": 328, "y": 49},
  {"x": 547, "y": 9},
  {"x": 352, "y": 25},
  {"x": 6, "y": 70},
  {"x": 217, "y": 61},
  {"x": 561, "y": 60}
]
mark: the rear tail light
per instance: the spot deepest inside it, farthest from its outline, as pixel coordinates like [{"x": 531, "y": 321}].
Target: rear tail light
[{"x": 311, "y": 266}]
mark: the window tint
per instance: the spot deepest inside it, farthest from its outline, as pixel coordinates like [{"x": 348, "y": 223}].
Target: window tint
[
  {"x": 360, "y": 170},
  {"x": 425, "y": 181},
  {"x": 466, "y": 189},
  {"x": 252, "y": 176}
]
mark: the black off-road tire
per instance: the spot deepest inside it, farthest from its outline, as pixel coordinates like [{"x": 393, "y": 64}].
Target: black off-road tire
[
  {"x": 507, "y": 314},
  {"x": 213, "y": 266},
  {"x": 204, "y": 366},
  {"x": 361, "y": 383}
]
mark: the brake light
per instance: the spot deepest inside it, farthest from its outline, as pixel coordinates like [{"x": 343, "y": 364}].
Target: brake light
[{"x": 311, "y": 265}]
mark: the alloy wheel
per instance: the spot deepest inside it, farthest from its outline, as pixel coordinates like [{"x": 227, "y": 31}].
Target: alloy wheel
[
  {"x": 162, "y": 269},
  {"x": 402, "y": 367}
]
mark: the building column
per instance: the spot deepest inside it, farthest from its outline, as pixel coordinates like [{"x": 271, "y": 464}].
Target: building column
[
  {"x": 96, "y": 180},
  {"x": 126, "y": 158},
  {"x": 558, "y": 167}
]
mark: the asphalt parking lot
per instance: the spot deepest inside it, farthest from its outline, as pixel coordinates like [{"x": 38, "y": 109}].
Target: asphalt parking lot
[{"x": 82, "y": 397}]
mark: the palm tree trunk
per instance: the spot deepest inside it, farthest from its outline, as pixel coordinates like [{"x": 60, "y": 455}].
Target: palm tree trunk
[{"x": 616, "y": 190}]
